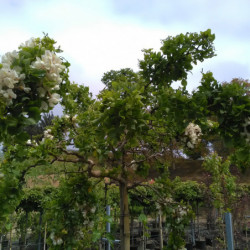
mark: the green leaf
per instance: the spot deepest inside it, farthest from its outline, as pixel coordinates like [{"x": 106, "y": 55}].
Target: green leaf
[
  {"x": 39, "y": 73},
  {"x": 11, "y": 121},
  {"x": 22, "y": 137},
  {"x": 242, "y": 154},
  {"x": 35, "y": 113},
  {"x": 41, "y": 162},
  {"x": 29, "y": 121}
]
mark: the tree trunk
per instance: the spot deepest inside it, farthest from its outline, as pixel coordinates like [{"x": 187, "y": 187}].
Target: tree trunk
[
  {"x": 160, "y": 230},
  {"x": 132, "y": 230},
  {"x": 124, "y": 218},
  {"x": 10, "y": 242}
]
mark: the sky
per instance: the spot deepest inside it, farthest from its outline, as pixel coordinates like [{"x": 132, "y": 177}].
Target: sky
[{"x": 102, "y": 35}]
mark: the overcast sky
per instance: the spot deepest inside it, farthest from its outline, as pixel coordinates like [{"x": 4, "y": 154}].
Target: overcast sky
[{"x": 100, "y": 35}]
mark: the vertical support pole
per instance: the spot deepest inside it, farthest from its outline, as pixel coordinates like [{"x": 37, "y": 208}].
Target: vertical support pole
[
  {"x": 229, "y": 231},
  {"x": 192, "y": 232},
  {"x": 45, "y": 235},
  {"x": 108, "y": 226}
]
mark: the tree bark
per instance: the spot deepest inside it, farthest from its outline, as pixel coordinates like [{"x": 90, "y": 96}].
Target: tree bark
[
  {"x": 124, "y": 217},
  {"x": 160, "y": 230}
]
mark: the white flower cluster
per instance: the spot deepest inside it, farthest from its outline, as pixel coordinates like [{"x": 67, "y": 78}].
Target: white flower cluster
[
  {"x": 193, "y": 132},
  {"x": 246, "y": 133},
  {"x": 47, "y": 134},
  {"x": 182, "y": 211},
  {"x": 56, "y": 240},
  {"x": 29, "y": 43},
  {"x": 87, "y": 217},
  {"x": 31, "y": 143},
  {"x": 53, "y": 66},
  {"x": 164, "y": 202},
  {"x": 67, "y": 117},
  {"x": 10, "y": 78}
]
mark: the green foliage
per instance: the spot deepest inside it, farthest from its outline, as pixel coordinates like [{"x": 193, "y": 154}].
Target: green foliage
[
  {"x": 223, "y": 186},
  {"x": 178, "y": 55},
  {"x": 178, "y": 216},
  {"x": 71, "y": 213},
  {"x": 37, "y": 130},
  {"x": 142, "y": 201},
  {"x": 75, "y": 98},
  {"x": 132, "y": 127},
  {"x": 187, "y": 191},
  {"x": 119, "y": 76},
  {"x": 122, "y": 110}
]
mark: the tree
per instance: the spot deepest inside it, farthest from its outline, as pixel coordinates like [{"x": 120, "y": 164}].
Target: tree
[{"x": 132, "y": 124}]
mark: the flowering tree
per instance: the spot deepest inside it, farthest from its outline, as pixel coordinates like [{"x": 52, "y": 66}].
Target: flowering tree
[
  {"x": 30, "y": 83},
  {"x": 131, "y": 126}
]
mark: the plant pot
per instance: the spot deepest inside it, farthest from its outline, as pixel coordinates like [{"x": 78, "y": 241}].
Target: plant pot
[
  {"x": 209, "y": 242},
  {"x": 189, "y": 246},
  {"x": 200, "y": 244}
]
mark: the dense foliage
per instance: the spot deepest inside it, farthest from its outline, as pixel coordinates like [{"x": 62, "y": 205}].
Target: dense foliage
[{"x": 137, "y": 123}]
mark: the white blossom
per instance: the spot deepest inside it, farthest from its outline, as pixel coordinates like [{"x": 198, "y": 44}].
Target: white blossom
[
  {"x": 91, "y": 224},
  {"x": 93, "y": 209},
  {"x": 245, "y": 132},
  {"x": 56, "y": 240},
  {"x": 190, "y": 145},
  {"x": 8, "y": 58},
  {"x": 29, "y": 43},
  {"x": 66, "y": 116},
  {"x": 54, "y": 99},
  {"x": 210, "y": 123},
  {"x": 193, "y": 132},
  {"x": 29, "y": 142},
  {"x": 41, "y": 91},
  {"x": 182, "y": 212},
  {"x": 47, "y": 134},
  {"x": 26, "y": 90},
  {"x": 52, "y": 64},
  {"x": 9, "y": 94},
  {"x": 84, "y": 213},
  {"x": 10, "y": 78},
  {"x": 74, "y": 118},
  {"x": 56, "y": 87},
  {"x": 44, "y": 106}
]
